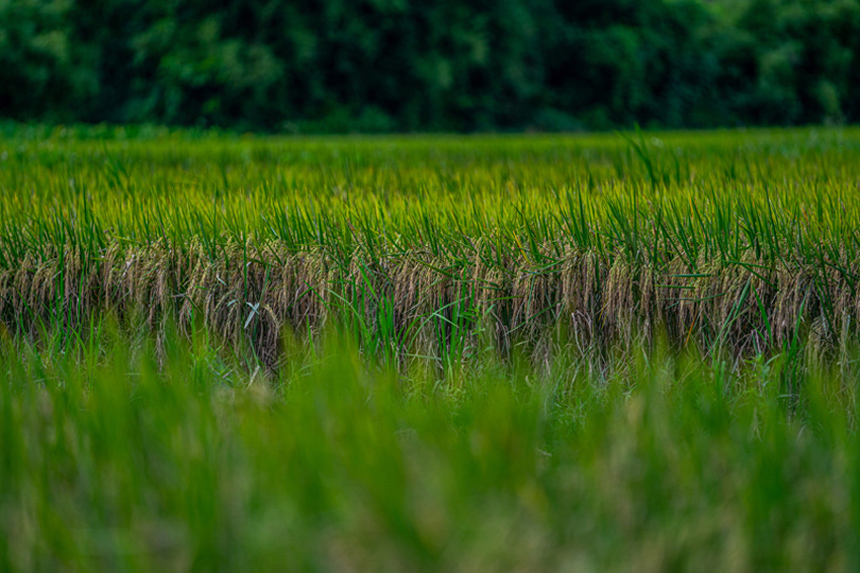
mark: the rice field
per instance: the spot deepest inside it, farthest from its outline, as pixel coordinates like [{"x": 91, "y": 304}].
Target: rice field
[{"x": 632, "y": 351}]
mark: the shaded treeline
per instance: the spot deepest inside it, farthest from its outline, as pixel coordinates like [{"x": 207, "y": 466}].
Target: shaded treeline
[{"x": 400, "y": 65}]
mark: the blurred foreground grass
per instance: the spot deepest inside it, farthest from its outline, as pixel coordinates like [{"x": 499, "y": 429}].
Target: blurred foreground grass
[{"x": 113, "y": 459}]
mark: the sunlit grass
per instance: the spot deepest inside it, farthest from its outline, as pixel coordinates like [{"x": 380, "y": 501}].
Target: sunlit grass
[{"x": 744, "y": 239}]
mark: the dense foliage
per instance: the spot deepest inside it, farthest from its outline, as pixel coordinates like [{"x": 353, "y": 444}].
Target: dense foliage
[
  {"x": 438, "y": 353},
  {"x": 384, "y": 65},
  {"x": 744, "y": 243},
  {"x": 112, "y": 461}
]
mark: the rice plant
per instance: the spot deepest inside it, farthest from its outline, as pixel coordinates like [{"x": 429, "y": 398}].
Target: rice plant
[
  {"x": 729, "y": 241},
  {"x": 122, "y": 460},
  {"x": 613, "y": 352}
]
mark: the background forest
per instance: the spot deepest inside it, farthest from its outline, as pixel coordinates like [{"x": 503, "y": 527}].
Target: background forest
[{"x": 409, "y": 65}]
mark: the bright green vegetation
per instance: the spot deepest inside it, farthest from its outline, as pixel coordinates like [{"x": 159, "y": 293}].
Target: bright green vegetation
[
  {"x": 112, "y": 462},
  {"x": 610, "y": 353},
  {"x": 739, "y": 241}
]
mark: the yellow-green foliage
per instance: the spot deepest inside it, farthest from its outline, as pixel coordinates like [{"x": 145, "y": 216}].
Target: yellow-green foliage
[{"x": 743, "y": 239}]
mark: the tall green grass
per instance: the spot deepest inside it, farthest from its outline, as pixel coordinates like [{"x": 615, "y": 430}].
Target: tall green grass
[
  {"x": 731, "y": 241},
  {"x": 627, "y": 352},
  {"x": 116, "y": 459}
]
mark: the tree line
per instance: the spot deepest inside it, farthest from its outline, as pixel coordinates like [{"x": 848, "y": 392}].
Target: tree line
[{"x": 448, "y": 65}]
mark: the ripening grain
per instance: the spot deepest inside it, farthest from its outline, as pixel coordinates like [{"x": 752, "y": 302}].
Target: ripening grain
[{"x": 741, "y": 240}]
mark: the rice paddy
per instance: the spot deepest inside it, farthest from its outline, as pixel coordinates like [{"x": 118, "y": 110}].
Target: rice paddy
[{"x": 603, "y": 352}]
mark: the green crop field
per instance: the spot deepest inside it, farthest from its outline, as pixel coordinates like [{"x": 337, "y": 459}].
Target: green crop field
[{"x": 632, "y": 351}]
